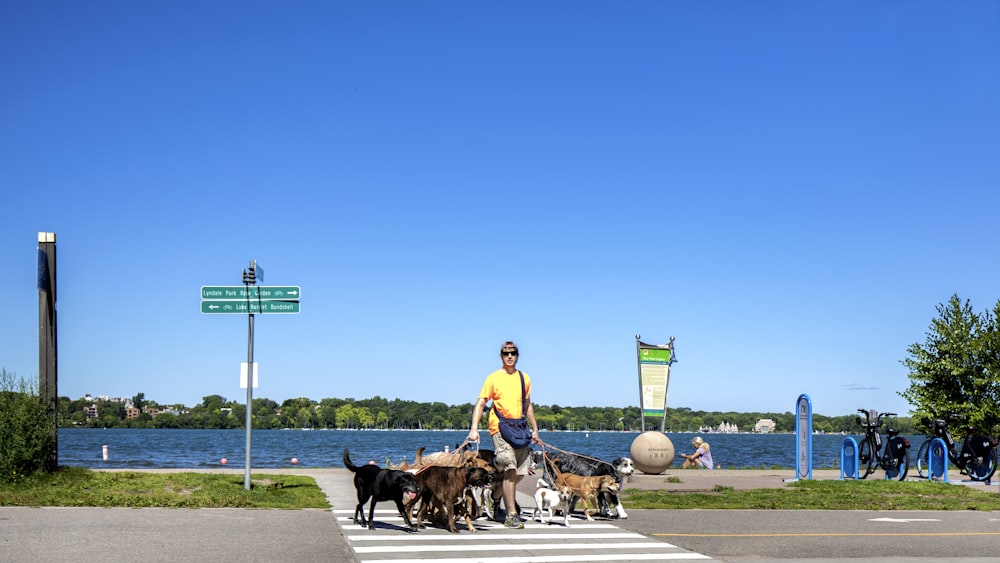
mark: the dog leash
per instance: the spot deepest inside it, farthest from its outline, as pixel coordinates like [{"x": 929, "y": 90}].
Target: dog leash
[
  {"x": 555, "y": 467},
  {"x": 584, "y": 456}
]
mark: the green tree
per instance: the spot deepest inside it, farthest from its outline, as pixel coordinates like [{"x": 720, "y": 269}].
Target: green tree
[
  {"x": 345, "y": 416},
  {"x": 365, "y": 417},
  {"x": 212, "y": 403},
  {"x": 956, "y": 369}
]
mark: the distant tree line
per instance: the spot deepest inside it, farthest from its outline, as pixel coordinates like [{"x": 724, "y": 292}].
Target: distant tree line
[{"x": 216, "y": 411}]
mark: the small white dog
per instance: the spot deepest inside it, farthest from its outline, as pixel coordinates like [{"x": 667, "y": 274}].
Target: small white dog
[{"x": 547, "y": 499}]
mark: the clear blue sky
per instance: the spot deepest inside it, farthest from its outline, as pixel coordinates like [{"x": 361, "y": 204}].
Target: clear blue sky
[{"x": 788, "y": 188}]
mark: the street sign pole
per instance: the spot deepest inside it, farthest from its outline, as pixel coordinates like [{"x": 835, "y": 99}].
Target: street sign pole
[
  {"x": 249, "y": 279},
  {"x": 248, "y": 299}
]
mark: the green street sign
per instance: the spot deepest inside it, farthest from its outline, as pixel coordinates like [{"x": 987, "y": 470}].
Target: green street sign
[
  {"x": 248, "y": 307},
  {"x": 279, "y": 292}
]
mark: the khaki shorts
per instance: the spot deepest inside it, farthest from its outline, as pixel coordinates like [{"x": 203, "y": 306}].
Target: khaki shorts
[{"x": 506, "y": 457}]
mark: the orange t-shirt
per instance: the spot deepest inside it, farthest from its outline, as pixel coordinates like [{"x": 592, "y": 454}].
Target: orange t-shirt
[{"x": 504, "y": 389}]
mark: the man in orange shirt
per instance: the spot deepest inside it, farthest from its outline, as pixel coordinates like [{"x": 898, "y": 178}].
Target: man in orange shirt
[{"x": 503, "y": 387}]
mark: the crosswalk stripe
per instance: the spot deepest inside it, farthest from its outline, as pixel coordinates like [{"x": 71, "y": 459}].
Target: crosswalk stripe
[
  {"x": 689, "y": 556},
  {"x": 493, "y": 547},
  {"x": 492, "y": 537}
]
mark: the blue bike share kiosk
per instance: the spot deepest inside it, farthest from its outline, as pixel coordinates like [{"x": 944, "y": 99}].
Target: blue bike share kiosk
[
  {"x": 803, "y": 438},
  {"x": 937, "y": 460},
  {"x": 849, "y": 459}
]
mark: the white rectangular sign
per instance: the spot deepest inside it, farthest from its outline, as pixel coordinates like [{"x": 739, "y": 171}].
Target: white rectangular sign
[{"x": 243, "y": 375}]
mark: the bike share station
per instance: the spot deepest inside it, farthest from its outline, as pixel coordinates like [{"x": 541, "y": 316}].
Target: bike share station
[
  {"x": 850, "y": 466},
  {"x": 851, "y": 458}
]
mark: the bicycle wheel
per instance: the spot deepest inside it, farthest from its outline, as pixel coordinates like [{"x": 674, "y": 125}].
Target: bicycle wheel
[
  {"x": 982, "y": 468},
  {"x": 922, "y": 459},
  {"x": 904, "y": 465},
  {"x": 866, "y": 459},
  {"x": 895, "y": 468}
]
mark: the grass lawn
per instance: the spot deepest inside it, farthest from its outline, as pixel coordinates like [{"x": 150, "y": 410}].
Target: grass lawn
[
  {"x": 74, "y": 486},
  {"x": 825, "y": 495}
]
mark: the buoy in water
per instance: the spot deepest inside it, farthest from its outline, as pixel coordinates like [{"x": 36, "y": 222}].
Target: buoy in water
[
  {"x": 223, "y": 461},
  {"x": 104, "y": 450},
  {"x": 295, "y": 461}
]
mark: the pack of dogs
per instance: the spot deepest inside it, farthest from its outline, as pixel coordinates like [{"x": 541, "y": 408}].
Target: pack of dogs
[{"x": 446, "y": 488}]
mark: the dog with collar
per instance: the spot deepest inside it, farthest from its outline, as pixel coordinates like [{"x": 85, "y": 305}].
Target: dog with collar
[
  {"x": 587, "y": 488},
  {"x": 548, "y": 499},
  {"x": 443, "y": 492},
  {"x": 377, "y": 484}
]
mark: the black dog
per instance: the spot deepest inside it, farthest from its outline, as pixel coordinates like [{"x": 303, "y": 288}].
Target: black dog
[
  {"x": 378, "y": 484},
  {"x": 609, "y": 503}
]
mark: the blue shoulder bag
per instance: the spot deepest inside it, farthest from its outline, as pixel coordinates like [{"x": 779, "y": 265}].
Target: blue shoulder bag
[{"x": 515, "y": 430}]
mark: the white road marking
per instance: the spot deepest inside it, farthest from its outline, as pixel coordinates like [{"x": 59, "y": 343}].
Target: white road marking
[
  {"x": 512, "y": 536},
  {"x": 565, "y": 558}
]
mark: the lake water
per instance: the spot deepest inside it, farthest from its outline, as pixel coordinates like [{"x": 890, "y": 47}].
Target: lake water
[{"x": 194, "y": 449}]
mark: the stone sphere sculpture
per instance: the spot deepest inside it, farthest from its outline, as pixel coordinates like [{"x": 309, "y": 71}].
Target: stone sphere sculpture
[{"x": 652, "y": 452}]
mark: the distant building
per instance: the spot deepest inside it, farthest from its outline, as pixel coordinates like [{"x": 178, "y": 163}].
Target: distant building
[
  {"x": 91, "y": 411},
  {"x": 764, "y": 426},
  {"x": 131, "y": 412}
]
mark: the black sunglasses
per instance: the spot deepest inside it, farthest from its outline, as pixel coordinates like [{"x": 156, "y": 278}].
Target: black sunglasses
[{"x": 508, "y": 353}]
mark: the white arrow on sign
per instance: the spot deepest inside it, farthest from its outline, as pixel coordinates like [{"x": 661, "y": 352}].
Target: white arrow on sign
[
  {"x": 213, "y": 306},
  {"x": 903, "y": 520},
  {"x": 293, "y": 292}
]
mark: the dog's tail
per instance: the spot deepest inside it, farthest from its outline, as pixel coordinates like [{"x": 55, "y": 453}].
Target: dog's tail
[
  {"x": 420, "y": 457},
  {"x": 347, "y": 462}
]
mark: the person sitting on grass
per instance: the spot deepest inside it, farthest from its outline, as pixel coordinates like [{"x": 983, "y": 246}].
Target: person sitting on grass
[{"x": 702, "y": 457}]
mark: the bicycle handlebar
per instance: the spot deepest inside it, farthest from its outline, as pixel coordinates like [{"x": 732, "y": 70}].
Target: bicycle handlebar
[{"x": 880, "y": 415}]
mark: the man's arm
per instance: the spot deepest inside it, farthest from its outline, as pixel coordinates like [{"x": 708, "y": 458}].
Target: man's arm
[
  {"x": 477, "y": 416},
  {"x": 534, "y": 425}
]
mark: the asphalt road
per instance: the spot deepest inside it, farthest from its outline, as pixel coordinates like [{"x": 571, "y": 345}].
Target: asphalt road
[
  {"x": 813, "y": 535},
  {"x": 153, "y": 535}
]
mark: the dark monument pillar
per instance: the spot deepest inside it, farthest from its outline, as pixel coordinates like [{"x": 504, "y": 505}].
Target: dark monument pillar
[{"x": 48, "y": 390}]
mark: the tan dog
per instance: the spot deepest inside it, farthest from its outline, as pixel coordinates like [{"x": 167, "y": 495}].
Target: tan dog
[{"x": 587, "y": 488}]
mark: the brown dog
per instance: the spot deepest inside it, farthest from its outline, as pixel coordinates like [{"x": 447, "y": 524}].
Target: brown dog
[
  {"x": 464, "y": 458},
  {"x": 444, "y": 459},
  {"x": 442, "y": 489},
  {"x": 587, "y": 488}
]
